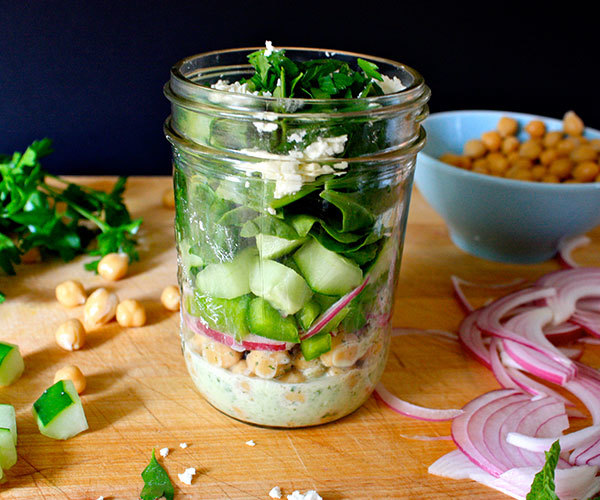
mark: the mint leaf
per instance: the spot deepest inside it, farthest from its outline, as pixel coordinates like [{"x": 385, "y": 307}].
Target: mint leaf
[
  {"x": 542, "y": 487},
  {"x": 156, "y": 482}
]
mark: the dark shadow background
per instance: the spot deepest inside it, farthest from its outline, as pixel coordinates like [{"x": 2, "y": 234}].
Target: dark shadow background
[{"x": 89, "y": 74}]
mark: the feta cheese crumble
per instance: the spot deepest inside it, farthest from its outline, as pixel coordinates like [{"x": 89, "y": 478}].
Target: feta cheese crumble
[
  {"x": 188, "y": 474},
  {"x": 275, "y": 492},
  {"x": 265, "y": 127},
  {"x": 391, "y": 85},
  {"x": 164, "y": 452},
  {"x": 183, "y": 445},
  {"x": 251, "y": 443},
  {"x": 309, "y": 495}
]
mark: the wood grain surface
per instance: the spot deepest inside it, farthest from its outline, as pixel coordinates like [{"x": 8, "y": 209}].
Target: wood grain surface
[{"x": 139, "y": 395}]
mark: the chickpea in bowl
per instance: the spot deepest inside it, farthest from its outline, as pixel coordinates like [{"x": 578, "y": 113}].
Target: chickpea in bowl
[
  {"x": 496, "y": 216},
  {"x": 565, "y": 155}
]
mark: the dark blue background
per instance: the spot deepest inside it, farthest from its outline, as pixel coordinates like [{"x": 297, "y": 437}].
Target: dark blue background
[{"x": 89, "y": 74}]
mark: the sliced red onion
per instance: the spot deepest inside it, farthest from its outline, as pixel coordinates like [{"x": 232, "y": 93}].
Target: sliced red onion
[
  {"x": 399, "y": 332},
  {"x": 571, "y": 286},
  {"x": 411, "y": 410},
  {"x": 250, "y": 342},
  {"x": 458, "y": 282},
  {"x": 533, "y": 387},
  {"x": 566, "y": 247},
  {"x": 426, "y": 438},
  {"x": 330, "y": 313},
  {"x": 536, "y": 363},
  {"x": 470, "y": 337},
  {"x": 571, "y": 441},
  {"x": 588, "y": 320}
]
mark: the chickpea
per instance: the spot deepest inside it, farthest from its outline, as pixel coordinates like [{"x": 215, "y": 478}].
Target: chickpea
[
  {"x": 345, "y": 351},
  {"x": 474, "y": 148},
  {"x": 510, "y": 144},
  {"x": 561, "y": 168},
  {"x": 113, "y": 266},
  {"x": 507, "y": 126},
  {"x": 538, "y": 172},
  {"x": 70, "y": 293},
  {"x": 521, "y": 174},
  {"x": 585, "y": 171},
  {"x": 268, "y": 364},
  {"x": 451, "y": 159},
  {"x": 31, "y": 256},
  {"x": 595, "y": 143},
  {"x": 70, "y": 335},
  {"x": 550, "y": 178},
  {"x": 551, "y": 139},
  {"x": 582, "y": 153},
  {"x": 565, "y": 146},
  {"x": 497, "y": 163},
  {"x": 530, "y": 149},
  {"x": 219, "y": 354},
  {"x": 572, "y": 124},
  {"x": 168, "y": 198},
  {"x": 310, "y": 369},
  {"x": 513, "y": 157},
  {"x": 522, "y": 163},
  {"x": 492, "y": 140},
  {"x": 465, "y": 162},
  {"x": 548, "y": 156},
  {"x": 480, "y": 165},
  {"x": 171, "y": 298},
  {"x": 292, "y": 377},
  {"x": 241, "y": 367},
  {"x": 72, "y": 373},
  {"x": 100, "y": 308},
  {"x": 535, "y": 129},
  {"x": 131, "y": 313}
]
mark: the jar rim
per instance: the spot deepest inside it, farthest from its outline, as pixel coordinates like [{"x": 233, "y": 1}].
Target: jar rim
[{"x": 181, "y": 85}]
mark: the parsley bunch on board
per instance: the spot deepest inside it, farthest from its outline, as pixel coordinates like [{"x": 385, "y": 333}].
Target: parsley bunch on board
[
  {"x": 315, "y": 79},
  {"x": 60, "y": 218}
]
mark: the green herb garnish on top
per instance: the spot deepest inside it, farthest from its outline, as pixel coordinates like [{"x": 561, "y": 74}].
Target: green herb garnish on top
[
  {"x": 42, "y": 211},
  {"x": 326, "y": 78}
]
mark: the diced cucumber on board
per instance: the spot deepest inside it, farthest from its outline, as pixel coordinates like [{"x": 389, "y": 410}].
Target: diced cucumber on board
[
  {"x": 283, "y": 287},
  {"x": 11, "y": 363},
  {"x": 59, "y": 412},
  {"x": 8, "y": 420},
  {"x": 227, "y": 280},
  {"x": 8, "y": 450},
  {"x": 325, "y": 271}
]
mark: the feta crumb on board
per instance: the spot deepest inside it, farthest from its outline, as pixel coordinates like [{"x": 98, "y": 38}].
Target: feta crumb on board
[
  {"x": 183, "y": 445},
  {"x": 275, "y": 492},
  {"x": 251, "y": 443},
  {"x": 188, "y": 474},
  {"x": 309, "y": 495},
  {"x": 163, "y": 452}
]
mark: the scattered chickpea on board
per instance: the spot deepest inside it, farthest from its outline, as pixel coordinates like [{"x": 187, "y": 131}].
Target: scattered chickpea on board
[
  {"x": 70, "y": 335},
  {"x": 546, "y": 156},
  {"x": 70, "y": 293},
  {"x": 100, "y": 308},
  {"x": 74, "y": 374}
]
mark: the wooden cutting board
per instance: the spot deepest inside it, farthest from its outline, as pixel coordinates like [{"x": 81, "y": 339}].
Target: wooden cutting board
[{"x": 139, "y": 395}]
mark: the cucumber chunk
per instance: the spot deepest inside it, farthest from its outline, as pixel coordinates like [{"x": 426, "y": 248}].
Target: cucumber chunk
[
  {"x": 59, "y": 412},
  {"x": 8, "y": 450},
  {"x": 283, "y": 287},
  {"x": 316, "y": 345},
  {"x": 223, "y": 315},
  {"x": 227, "y": 280},
  {"x": 273, "y": 247},
  {"x": 325, "y": 271},
  {"x": 11, "y": 363},
  {"x": 8, "y": 420},
  {"x": 264, "y": 320}
]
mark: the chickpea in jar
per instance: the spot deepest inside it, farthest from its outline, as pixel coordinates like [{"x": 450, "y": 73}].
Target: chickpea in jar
[{"x": 550, "y": 156}]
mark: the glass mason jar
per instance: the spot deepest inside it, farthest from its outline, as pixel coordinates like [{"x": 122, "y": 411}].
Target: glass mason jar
[{"x": 290, "y": 220}]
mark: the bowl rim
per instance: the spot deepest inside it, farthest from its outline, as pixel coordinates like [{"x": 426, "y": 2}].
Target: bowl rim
[{"x": 502, "y": 181}]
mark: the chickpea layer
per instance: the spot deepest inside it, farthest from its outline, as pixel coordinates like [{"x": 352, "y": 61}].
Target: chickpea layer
[{"x": 546, "y": 156}]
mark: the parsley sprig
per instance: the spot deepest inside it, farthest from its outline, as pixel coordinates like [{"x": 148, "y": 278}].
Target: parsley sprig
[
  {"x": 38, "y": 209},
  {"x": 316, "y": 79}
]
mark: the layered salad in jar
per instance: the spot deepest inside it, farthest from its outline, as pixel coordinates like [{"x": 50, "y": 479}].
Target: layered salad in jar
[{"x": 289, "y": 251}]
